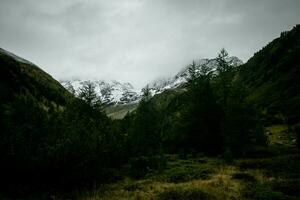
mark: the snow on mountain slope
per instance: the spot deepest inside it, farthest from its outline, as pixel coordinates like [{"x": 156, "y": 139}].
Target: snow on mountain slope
[
  {"x": 180, "y": 78},
  {"x": 111, "y": 92},
  {"x": 114, "y": 92}
]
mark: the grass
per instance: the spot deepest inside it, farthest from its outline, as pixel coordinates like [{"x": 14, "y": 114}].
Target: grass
[
  {"x": 219, "y": 187},
  {"x": 178, "y": 193},
  {"x": 244, "y": 176},
  {"x": 273, "y": 174},
  {"x": 280, "y": 135},
  {"x": 182, "y": 170}
]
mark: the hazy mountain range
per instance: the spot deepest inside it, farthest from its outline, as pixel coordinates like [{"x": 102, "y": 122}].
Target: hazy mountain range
[{"x": 114, "y": 92}]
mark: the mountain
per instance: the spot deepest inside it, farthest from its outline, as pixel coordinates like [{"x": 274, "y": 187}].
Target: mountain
[
  {"x": 46, "y": 133},
  {"x": 121, "y": 98},
  {"x": 272, "y": 76},
  {"x": 110, "y": 92},
  {"x": 30, "y": 100},
  {"x": 114, "y": 92},
  {"x": 21, "y": 77},
  {"x": 160, "y": 85}
]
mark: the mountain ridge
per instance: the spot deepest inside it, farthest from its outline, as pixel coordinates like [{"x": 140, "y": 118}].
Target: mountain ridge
[
  {"x": 272, "y": 78},
  {"x": 22, "y": 77},
  {"x": 115, "y": 93}
]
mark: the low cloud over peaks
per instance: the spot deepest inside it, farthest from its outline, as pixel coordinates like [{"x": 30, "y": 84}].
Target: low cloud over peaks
[{"x": 138, "y": 40}]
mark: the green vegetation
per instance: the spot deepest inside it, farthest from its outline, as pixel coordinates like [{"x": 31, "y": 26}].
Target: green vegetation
[
  {"x": 120, "y": 111},
  {"x": 228, "y": 133},
  {"x": 272, "y": 78},
  {"x": 178, "y": 193},
  {"x": 50, "y": 139},
  {"x": 201, "y": 119},
  {"x": 195, "y": 176}
]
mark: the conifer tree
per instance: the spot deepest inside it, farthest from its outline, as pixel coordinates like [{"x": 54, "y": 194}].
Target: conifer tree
[
  {"x": 88, "y": 93},
  {"x": 202, "y": 116}
]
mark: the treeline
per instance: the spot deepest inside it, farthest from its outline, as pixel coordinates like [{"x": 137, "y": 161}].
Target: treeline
[
  {"x": 213, "y": 116},
  {"x": 272, "y": 75},
  {"x": 43, "y": 144}
]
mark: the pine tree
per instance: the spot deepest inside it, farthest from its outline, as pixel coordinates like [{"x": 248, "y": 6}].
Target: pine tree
[
  {"x": 88, "y": 93},
  {"x": 144, "y": 137},
  {"x": 202, "y": 116},
  {"x": 225, "y": 75},
  {"x": 241, "y": 125}
]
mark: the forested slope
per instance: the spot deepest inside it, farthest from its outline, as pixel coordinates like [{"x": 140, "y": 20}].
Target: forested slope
[{"x": 272, "y": 76}]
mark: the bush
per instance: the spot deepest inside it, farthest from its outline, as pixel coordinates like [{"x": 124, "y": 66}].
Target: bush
[
  {"x": 288, "y": 187},
  {"x": 228, "y": 156},
  {"x": 140, "y": 166},
  {"x": 262, "y": 191},
  {"x": 297, "y": 130},
  {"x": 182, "y": 174},
  {"x": 260, "y": 152},
  {"x": 188, "y": 194},
  {"x": 244, "y": 176}
]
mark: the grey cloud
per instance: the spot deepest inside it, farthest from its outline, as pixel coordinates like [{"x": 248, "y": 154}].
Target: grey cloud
[{"x": 137, "y": 40}]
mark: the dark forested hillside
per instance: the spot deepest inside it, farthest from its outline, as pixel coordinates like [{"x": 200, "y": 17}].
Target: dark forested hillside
[
  {"x": 223, "y": 134},
  {"x": 272, "y": 76},
  {"x": 20, "y": 77},
  {"x": 49, "y": 137}
]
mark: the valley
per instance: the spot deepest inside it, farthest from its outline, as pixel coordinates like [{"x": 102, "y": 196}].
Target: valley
[
  {"x": 219, "y": 129},
  {"x": 269, "y": 173}
]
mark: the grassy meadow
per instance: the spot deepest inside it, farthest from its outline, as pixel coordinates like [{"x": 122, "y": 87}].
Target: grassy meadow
[{"x": 268, "y": 174}]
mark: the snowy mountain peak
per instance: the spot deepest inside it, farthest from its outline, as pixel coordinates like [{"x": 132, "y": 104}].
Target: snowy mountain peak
[
  {"x": 114, "y": 92},
  {"x": 110, "y": 92},
  {"x": 180, "y": 78}
]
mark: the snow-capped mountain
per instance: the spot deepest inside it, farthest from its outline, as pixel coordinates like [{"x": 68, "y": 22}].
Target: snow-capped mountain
[
  {"x": 114, "y": 92},
  {"x": 110, "y": 92},
  {"x": 180, "y": 78}
]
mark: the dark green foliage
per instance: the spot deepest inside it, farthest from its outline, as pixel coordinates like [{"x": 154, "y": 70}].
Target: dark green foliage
[
  {"x": 169, "y": 106},
  {"x": 178, "y": 193},
  {"x": 288, "y": 187},
  {"x": 228, "y": 156},
  {"x": 261, "y": 191},
  {"x": 244, "y": 177},
  {"x": 276, "y": 189},
  {"x": 88, "y": 94},
  {"x": 256, "y": 151},
  {"x": 18, "y": 78},
  {"x": 283, "y": 166},
  {"x": 84, "y": 142},
  {"x": 202, "y": 117},
  {"x": 22, "y": 132},
  {"x": 50, "y": 138},
  {"x": 183, "y": 174},
  {"x": 225, "y": 76},
  {"x": 241, "y": 125},
  {"x": 272, "y": 75},
  {"x": 62, "y": 147},
  {"x": 210, "y": 114},
  {"x": 144, "y": 135},
  {"x": 140, "y": 166},
  {"x": 297, "y": 131}
]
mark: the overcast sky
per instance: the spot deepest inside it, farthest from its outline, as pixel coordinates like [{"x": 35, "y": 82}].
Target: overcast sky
[{"x": 137, "y": 40}]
